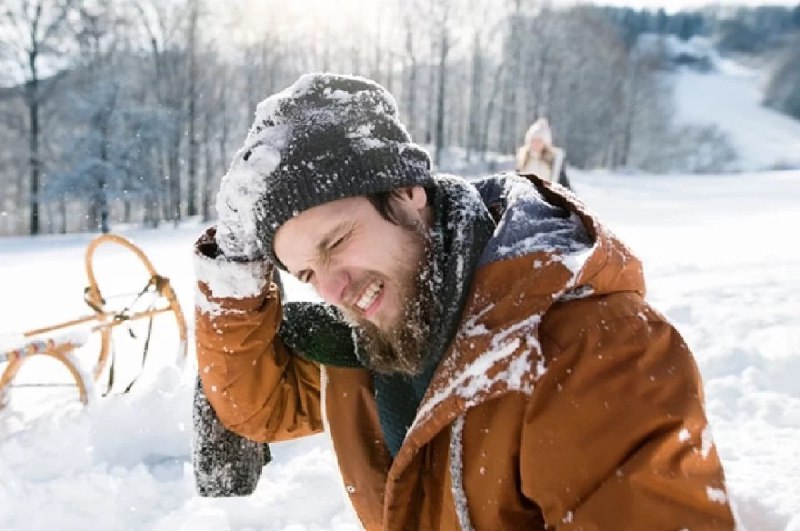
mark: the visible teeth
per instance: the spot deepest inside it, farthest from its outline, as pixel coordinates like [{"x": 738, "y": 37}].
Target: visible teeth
[{"x": 369, "y": 295}]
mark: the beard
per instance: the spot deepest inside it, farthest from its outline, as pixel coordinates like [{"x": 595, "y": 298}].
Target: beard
[{"x": 403, "y": 346}]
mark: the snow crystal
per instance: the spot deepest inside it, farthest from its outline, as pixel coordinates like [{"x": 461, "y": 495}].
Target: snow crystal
[
  {"x": 11, "y": 340},
  {"x": 475, "y": 330},
  {"x": 473, "y": 381},
  {"x": 576, "y": 261},
  {"x": 227, "y": 279},
  {"x": 363, "y": 131},
  {"x": 529, "y": 324},
  {"x": 371, "y": 143},
  {"x": 16, "y": 340},
  {"x": 716, "y": 495},
  {"x": 244, "y": 184},
  {"x": 457, "y": 474},
  {"x": 340, "y": 95},
  {"x": 706, "y": 441}
]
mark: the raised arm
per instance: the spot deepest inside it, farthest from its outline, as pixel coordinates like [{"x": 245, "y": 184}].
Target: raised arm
[{"x": 256, "y": 385}]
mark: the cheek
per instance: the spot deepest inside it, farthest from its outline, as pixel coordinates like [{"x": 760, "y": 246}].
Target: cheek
[
  {"x": 388, "y": 253},
  {"x": 404, "y": 260}
]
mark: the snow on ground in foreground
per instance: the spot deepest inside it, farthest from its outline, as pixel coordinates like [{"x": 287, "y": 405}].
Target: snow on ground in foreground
[
  {"x": 731, "y": 100},
  {"x": 721, "y": 257}
]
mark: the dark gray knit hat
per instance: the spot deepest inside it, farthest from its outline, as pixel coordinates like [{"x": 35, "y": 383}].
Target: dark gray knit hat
[{"x": 326, "y": 137}]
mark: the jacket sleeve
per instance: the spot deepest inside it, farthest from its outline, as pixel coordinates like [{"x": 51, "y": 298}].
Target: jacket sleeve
[
  {"x": 258, "y": 388},
  {"x": 616, "y": 437}
]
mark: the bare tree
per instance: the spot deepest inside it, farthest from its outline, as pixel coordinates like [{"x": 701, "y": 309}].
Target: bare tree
[
  {"x": 191, "y": 119},
  {"x": 783, "y": 89},
  {"x": 31, "y": 30},
  {"x": 411, "y": 73},
  {"x": 444, "y": 49},
  {"x": 473, "y": 129},
  {"x": 165, "y": 27}
]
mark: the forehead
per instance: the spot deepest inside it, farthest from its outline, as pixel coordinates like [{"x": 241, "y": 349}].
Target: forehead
[{"x": 300, "y": 236}]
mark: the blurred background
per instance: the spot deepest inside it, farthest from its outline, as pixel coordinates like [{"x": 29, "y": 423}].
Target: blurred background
[{"x": 129, "y": 111}]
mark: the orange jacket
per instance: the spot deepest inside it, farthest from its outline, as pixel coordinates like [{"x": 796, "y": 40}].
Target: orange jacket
[{"x": 564, "y": 401}]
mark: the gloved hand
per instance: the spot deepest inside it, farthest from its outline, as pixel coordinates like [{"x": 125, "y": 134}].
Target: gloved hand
[
  {"x": 237, "y": 245},
  {"x": 220, "y": 240}
]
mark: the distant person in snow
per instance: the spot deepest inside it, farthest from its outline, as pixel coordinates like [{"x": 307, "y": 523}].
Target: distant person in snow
[
  {"x": 538, "y": 155},
  {"x": 483, "y": 358}
]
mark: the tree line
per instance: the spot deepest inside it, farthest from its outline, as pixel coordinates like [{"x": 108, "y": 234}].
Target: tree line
[{"x": 130, "y": 111}]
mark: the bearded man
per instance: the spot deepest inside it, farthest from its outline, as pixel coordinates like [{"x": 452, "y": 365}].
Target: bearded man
[{"x": 484, "y": 357}]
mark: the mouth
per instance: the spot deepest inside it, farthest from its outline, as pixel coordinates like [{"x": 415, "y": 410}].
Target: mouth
[{"x": 367, "y": 301}]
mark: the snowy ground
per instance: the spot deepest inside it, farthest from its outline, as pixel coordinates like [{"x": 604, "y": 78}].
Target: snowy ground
[{"x": 721, "y": 263}]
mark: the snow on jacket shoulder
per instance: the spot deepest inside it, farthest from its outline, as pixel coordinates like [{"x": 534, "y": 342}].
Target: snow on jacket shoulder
[{"x": 564, "y": 402}]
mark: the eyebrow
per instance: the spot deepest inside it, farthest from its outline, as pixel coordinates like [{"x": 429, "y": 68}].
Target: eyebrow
[
  {"x": 326, "y": 240},
  {"x": 331, "y": 235}
]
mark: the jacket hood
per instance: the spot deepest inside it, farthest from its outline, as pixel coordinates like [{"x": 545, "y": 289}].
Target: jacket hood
[{"x": 548, "y": 248}]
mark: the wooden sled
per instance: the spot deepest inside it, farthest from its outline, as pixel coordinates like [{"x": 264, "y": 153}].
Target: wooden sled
[{"x": 41, "y": 341}]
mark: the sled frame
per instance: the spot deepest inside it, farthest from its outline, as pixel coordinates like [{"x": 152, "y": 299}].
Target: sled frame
[{"x": 105, "y": 319}]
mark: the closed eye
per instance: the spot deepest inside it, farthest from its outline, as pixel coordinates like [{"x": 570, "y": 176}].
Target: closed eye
[
  {"x": 337, "y": 242},
  {"x": 340, "y": 240}
]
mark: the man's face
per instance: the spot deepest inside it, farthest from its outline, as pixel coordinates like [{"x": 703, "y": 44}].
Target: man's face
[{"x": 377, "y": 272}]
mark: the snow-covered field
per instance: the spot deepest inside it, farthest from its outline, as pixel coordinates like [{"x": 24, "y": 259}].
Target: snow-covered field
[{"x": 722, "y": 263}]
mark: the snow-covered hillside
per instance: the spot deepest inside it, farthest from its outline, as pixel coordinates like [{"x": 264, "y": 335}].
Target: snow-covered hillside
[{"x": 730, "y": 99}]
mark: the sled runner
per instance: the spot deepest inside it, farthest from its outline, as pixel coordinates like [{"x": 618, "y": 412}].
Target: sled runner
[{"x": 156, "y": 297}]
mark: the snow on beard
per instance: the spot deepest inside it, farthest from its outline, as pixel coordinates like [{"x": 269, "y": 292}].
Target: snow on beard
[{"x": 403, "y": 347}]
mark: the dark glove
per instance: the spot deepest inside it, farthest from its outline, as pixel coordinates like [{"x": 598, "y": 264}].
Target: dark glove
[
  {"x": 218, "y": 241},
  {"x": 225, "y": 464}
]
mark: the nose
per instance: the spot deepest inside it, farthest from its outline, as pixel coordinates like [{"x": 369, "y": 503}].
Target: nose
[{"x": 332, "y": 285}]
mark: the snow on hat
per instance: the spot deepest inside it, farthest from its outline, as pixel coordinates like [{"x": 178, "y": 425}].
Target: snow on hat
[
  {"x": 326, "y": 137},
  {"x": 539, "y": 129}
]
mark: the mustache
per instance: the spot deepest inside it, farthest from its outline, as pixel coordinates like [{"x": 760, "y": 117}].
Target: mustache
[{"x": 403, "y": 347}]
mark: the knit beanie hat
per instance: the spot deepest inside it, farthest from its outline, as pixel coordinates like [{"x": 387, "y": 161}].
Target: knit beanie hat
[
  {"x": 539, "y": 129},
  {"x": 324, "y": 138}
]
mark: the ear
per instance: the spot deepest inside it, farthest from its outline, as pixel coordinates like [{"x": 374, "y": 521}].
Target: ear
[{"x": 415, "y": 196}]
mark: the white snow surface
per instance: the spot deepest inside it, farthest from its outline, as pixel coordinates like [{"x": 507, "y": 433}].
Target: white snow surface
[
  {"x": 730, "y": 99},
  {"x": 721, "y": 263}
]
